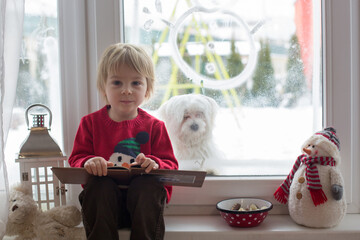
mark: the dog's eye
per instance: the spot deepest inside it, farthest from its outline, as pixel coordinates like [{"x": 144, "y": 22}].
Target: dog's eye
[
  {"x": 186, "y": 117},
  {"x": 199, "y": 115}
]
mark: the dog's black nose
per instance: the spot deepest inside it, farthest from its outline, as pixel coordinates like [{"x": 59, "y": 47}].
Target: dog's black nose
[{"x": 194, "y": 127}]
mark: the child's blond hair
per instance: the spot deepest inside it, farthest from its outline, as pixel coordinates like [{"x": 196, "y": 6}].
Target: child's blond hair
[{"x": 133, "y": 56}]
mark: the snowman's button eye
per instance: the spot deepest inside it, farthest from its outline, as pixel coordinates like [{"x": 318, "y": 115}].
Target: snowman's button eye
[
  {"x": 309, "y": 145},
  {"x": 119, "y": 159},
  {"x": 313, "y": 146}
]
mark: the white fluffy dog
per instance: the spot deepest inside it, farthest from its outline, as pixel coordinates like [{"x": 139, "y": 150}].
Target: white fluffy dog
[{"x": 190, "y": 121}]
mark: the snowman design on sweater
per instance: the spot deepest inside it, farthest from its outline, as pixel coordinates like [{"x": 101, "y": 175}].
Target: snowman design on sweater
[{"x": 127, "y": 150}]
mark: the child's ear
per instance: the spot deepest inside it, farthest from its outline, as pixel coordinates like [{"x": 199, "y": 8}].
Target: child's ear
[
  {"x": 147, "y": 94},
  {"x": 148, "y": 91},
  {"x": 105, "y": 97}
]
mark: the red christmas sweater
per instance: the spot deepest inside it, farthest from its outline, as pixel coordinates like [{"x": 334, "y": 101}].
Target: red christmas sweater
[{"x": 98, "y": 135}]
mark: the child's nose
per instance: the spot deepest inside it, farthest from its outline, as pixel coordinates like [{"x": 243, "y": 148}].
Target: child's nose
[{"x": 126, "y": 90}]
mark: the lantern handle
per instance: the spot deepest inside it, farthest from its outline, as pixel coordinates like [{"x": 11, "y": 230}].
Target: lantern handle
[{"x": 37, "y": 105}]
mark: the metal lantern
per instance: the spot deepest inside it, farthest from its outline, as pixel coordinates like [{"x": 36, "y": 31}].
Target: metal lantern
[{"x": 38, "y": 153}]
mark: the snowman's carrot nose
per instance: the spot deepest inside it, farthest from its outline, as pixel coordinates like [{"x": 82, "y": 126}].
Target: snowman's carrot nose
[
  {"x": 307, "y": 151},
  {"x": 125, "y": 165}
]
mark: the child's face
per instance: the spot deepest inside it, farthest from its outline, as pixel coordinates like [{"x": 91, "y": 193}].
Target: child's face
[{"x": 125, "y": 90}]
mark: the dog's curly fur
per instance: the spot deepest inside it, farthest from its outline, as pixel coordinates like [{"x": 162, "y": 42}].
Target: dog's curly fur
[
  {"x": 26, "y": 221},
  {"x": 190, "y": 121}
]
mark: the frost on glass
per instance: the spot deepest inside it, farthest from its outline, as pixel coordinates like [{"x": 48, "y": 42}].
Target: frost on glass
[{"x": 258, "y": 63}]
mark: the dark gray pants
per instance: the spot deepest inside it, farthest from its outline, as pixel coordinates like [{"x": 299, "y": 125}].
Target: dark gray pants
[{"x": 107, "y": 208}]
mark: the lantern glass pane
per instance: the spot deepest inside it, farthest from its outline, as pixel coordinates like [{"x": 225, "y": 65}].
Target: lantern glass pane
[
  {"x": 51, "y": 191},
  {"x": 42, "y": 174},
  {"x": 44, "y": 206},
  {"x": 34, "y": 176},
  {"x": 35, "y": 192},
  {"x": 49, "y": 174},
  {"x": 43, "y": 196}
]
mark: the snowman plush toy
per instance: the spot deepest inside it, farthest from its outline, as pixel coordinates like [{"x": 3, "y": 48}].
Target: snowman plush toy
[{"x": 314, "y": 189}]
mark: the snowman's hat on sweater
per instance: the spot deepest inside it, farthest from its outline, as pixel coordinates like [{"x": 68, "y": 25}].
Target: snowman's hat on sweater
[
  {"x": 131, "y": 146},
  {"x": 328, "y": 141}
]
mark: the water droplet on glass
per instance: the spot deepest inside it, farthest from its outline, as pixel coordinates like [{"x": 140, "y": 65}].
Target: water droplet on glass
[
  {"x": 147, "y": 24},
  {"x": 158, "y": 6},
  {"x": 146, "y": 10},
  {"x": 210, "y": 68},
  {"x": 211, "y": 46},
  {"x": 167, "y": 23}
]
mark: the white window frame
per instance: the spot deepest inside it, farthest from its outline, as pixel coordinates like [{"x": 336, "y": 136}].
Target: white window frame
[{"x": 87, "y": 27}]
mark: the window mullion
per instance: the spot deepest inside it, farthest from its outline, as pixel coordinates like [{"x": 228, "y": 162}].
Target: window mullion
[{"x": 342, "y": 88}]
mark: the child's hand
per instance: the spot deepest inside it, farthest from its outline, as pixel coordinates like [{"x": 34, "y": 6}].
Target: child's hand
[
  {"x": 145, "y": 162},
  {"x": 97, "y": 166}
]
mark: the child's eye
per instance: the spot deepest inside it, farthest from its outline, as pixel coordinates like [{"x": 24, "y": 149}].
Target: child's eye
[
  {"x": 116, "y": 83},
  {"x": 136, "y": 83}
]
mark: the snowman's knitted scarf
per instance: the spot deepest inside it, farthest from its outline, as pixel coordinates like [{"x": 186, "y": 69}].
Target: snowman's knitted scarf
[{"x": 312, "y": 178}]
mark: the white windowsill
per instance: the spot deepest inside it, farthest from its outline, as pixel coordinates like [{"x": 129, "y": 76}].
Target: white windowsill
[{"x": 274, "y": 227}]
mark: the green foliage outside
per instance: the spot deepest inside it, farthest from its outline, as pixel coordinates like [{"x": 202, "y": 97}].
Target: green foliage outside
[
  {"x": 234, "y": 64},
  {"x": 263, "y": 90},
  {"x": 235, "y": 67},
  {"x": 295, "y": 79}
]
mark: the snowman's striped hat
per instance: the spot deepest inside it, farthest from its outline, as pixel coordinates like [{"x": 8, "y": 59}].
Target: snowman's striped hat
[
  {"x": 327, "y": 140},
  {"x": 131, "y": 146},
  {"x": 330, "y": 134}
]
